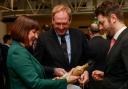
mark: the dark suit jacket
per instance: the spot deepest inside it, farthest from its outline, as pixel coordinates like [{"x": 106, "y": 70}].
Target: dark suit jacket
[
  {"x": 26, "y": 72},
  {"x": 49, "y": 52},
  {"x": 4, "y": 52},
  {"x": 1, "y": 69},
  {"x": 116, "y": 72},
  {"x": 4, "y": 55},
  {"x": 98, "y": 48}
]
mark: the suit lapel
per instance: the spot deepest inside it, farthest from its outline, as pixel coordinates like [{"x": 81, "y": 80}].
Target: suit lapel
[
  {"x": 73, "y": 45},
  {"x": 57, "y": 48},
  {"x": 54, "y": 36},
  {"x": 113, "y": 49}
]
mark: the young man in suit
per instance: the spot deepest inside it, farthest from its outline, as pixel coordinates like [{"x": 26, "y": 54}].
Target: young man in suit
[
  {"x": 49, "y": 50},
  {"x": 115, "y": 75}
]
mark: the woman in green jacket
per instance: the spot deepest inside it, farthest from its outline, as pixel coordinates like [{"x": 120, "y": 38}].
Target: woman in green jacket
[{"x": 25, "y": 71}]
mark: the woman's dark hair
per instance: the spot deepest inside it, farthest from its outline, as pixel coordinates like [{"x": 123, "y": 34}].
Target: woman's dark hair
[{"x": 21, "y": 27}]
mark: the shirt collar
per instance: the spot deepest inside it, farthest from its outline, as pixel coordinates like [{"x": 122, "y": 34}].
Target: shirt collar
[
  {"x": 119, "y": 32},
  {"x": 67, "y": 32}
]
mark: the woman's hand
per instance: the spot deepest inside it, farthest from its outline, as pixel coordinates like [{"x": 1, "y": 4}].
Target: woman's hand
[
  {"x": 71, "y": 78},
  {"x": 59, "y": 72}
]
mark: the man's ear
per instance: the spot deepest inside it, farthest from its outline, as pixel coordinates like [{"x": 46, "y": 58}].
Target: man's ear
[{"x": 113, "y": 18}]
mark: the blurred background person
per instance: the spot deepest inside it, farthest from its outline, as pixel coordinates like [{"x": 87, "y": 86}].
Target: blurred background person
[
  {"x": 2, "y": 85},
  {"x": 7, "y": 42},
  {"x": 5, "y": 46},
  {"x": 98, "y": 47}
]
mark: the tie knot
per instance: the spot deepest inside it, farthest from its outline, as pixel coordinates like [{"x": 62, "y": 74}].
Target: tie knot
[
  {"x": 112, "y": 42},
  {"x": 62, "y": 38}
]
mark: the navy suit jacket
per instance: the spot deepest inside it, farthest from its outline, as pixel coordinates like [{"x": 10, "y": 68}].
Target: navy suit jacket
[{"x": 49, "y": 52}]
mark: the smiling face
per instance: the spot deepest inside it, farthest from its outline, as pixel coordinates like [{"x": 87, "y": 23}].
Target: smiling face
[
  {"x": 32, "y": 36},
  {"x": 61, "y": 22},
  {"x": 106, "y": 23}
]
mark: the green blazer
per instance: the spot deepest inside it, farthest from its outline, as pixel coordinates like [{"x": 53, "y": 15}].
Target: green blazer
[{"x": 25, "y": 71}]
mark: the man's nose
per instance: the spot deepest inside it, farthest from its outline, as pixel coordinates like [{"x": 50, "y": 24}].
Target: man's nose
[{"x": 61, "y": 26}]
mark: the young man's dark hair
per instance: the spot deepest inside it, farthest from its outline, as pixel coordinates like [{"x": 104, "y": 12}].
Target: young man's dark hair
[{"x": 112, "y": 8}]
